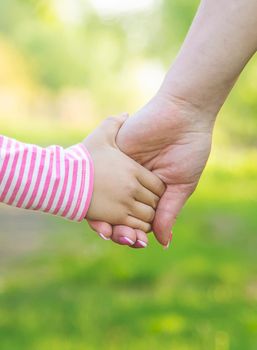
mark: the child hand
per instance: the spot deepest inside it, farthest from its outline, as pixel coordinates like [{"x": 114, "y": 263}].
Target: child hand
[{"x": 125, "y": 193}]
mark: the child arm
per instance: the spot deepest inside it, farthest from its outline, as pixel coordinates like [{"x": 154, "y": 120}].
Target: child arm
[{"x": 53, "y": 180}]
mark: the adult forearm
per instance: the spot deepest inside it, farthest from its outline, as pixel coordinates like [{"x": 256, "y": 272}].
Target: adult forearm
[{"x": 220, "y": 42}]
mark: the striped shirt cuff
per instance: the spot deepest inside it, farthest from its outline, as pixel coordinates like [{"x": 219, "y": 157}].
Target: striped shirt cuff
[{"x": 52, "y": 180}]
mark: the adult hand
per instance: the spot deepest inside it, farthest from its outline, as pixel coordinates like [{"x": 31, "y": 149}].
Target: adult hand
[
  {"x": 171, "y": 138},
  {"x": 172, "y": 134}
]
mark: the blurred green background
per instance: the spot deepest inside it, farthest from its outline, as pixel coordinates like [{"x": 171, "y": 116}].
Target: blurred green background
[{"x": 64, "y": 66}]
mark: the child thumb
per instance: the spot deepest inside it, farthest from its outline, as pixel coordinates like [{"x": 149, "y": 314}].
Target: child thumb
[{"x": 113, "y": 124}]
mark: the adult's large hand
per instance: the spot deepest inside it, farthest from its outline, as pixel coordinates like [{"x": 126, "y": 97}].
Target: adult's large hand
[
  {"x": 172, "y": 134},
  {"x": 170, "y": 138}
]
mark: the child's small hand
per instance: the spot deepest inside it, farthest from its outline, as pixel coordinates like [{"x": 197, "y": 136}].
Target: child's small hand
[{"x": 125, "y": 193}]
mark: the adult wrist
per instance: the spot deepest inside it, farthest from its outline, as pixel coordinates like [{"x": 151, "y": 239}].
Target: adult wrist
[{"x": 192, "y": 94}]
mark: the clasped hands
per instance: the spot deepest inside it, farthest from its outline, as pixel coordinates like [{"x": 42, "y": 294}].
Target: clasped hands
[{"x": 146, "y": 167}]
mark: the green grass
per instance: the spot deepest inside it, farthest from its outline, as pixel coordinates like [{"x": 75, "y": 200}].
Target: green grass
[{"x": 73, "y": 291}]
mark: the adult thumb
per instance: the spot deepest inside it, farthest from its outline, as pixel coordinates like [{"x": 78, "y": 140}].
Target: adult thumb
[{"x": 169, "y": 206}]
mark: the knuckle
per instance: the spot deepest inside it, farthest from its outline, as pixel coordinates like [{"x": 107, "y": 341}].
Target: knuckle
[
  {"x": 147, "y": 228},
  {"x": 161, "y": 188},
  {"x": 151, "y": 215},
  {"x": 126, "y": 202},
  {"x": 155, "y": 201},
  {"x": 123, "y": 219},
  {"x": 127, "y": 221},
  {"x": 131, "y": 188},
  {"x": 132, "y": 168}
]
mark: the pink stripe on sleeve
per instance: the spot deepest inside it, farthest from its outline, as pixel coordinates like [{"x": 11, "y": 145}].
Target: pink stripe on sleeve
[
  {"x": 39, "y": 176},
  {"x": 12, "y": 172},
  {"x": 66, "y": 175},
  {"x": 73, "y": 187},
  {"x": 5, "y": 162},
  {"x": 30, "y": 175},
  {"x": 81, "y": 191},
  {"x": 90, "y": 176},
  {"x": 46, "y": 184},
  {"x": 18, "y": 184},
  {"x": 56, "y": 181}
]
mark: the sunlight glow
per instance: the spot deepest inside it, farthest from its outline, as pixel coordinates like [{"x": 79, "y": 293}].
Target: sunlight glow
[
  {"x": 69, "y": 10},
  {"x": 106, "y": 7},
  {"x": 72, "y": 10}
]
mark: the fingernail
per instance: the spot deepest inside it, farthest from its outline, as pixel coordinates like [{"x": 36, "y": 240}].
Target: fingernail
[
  {"x": 103, "y": 237},
  {"x": 126, "y": 241},
  {"x": 140, "y": 244},
  {"x": 168, "y": 244}
]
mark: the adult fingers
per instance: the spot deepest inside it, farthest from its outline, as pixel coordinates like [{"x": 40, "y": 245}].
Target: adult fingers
[
  {"x": 142, "y": 240},
  {"x": 103, "y": 229},
  {"x": 168, "y": 209},
  {"x": 124, "y": 235}
]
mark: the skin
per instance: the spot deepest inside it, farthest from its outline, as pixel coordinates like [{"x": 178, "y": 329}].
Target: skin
[
  {"x": 171, "y": 135},
  {"x": 124, "y": 191}
]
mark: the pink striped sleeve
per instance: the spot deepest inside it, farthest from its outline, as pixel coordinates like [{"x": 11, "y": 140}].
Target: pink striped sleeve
[{"x": 52, "y": 180}]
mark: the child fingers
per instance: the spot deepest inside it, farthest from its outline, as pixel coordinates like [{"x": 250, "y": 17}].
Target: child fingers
[
  {"x": 143, "y": 212},
  {"x": 145, "y": 196},
  {"x": 151, "y": 181},
  {"x": 138, "y": 224},
  {"x": 112, "y": 125},
  {"x": 113, "y": 122}
]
